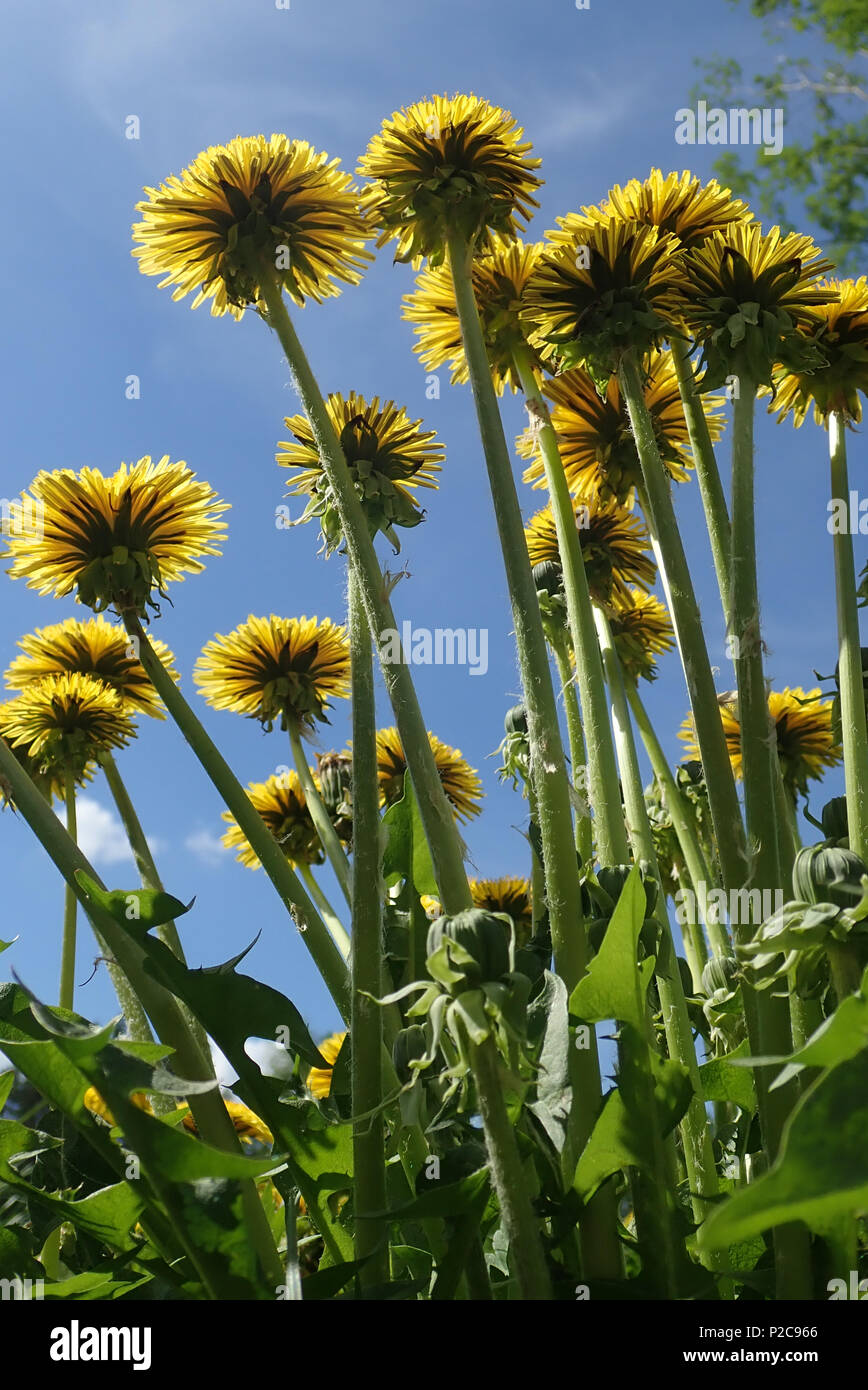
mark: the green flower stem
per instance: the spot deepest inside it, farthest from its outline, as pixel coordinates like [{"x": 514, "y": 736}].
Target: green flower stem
[
  {"x": 846, "y": 968},
  {"x": 150, "y": 878},
  {"x": 660, "y": 515},
  {"x": 70, "y": 905},
  {"x": 548, "y": 767},
  {"x": 322, "y": 820},
  {"x": 576, "y": 740},
  {"x": 707, "y": 472},
  {"x": 445, "y": 843},
  {"x": 850, "y": 679},
  {"x": 685, "y": 829},
  {"x": 366, "y": 1027},
  {"x": 507, "y": 1175},
  {"x": 773, "y": 1030},
  {"x": 603, "y": 790},
  {"x": 144, "y": 860},
  {"x": 695, "y": 1131},
  {"x": 789, "y": 840},
  {"x": 757, "y": 737},
  {"x": 314, "y": 934},
  {"x": 131, "y": 978},
  {"x": 336, "y": 927}
]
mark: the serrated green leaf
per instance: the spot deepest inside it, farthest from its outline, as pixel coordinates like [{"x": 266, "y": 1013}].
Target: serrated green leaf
[
  {"x": 721, "y": 1080},
  {"x": 136, "y": 909},
  {"x": 616, "y": 984}
]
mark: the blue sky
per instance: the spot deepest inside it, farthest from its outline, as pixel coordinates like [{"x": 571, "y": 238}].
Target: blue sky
[{"x": 596, "y": 91}]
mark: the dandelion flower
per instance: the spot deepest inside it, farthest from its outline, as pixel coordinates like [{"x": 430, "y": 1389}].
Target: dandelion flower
[
  {"x": 499, "y": 278},
  {"x": 93, "y": 648},
  {"x": 281, "y": 803},
  {"x": 276, "y": 669},
  {"x": 460, "y": 781},
  {"x": 279, "y": 199},
  {"x": 596, "y": 439},
  {"x": 319, "y": 1079},
  {"x": 115, "y": 539},
  {"x": 806, "y": 741},
  {"x": 615, "y": 547},
  {"x": 676, "y": 203},
  {"x": 842, "y": 338},
  {"x": 641, "y": 630},
  {"x": 450, "y": 162},
  {"x": 388, "y": 456},
  {"x": 66, "y": 721}
]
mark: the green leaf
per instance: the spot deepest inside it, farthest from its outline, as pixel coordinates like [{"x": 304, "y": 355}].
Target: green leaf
[
  {"x": 406, "y": 854},
  {"x": 813, "y": 1180},
  {"x": 136, "y": 909},
  {"x": 548, "y": 1024},
  {"x": 721, "y": 1080},
  {"x": 620, "y": 1138},
  {"x": 7, "y": 1081},
  {"x": 466, "y": 1197},
  {"x": 174, "y": 1154},
  {"x": 616, "y": 984}
]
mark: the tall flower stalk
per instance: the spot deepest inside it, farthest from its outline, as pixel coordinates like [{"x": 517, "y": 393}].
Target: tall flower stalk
[
  {"x": 70, "y": 905},
  {"x": 366, "y": 1020}
]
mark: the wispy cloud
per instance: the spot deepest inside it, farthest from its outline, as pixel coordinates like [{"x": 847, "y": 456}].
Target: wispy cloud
[
  {"x": 101, "y": 836},
  {"x": 205, "y": 845}
]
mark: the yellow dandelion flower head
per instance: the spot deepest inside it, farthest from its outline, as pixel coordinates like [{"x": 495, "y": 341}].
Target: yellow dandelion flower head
[
  {"x": 604, "y": 285},
  {"x": 388, "y": 455},
  {"x": 93, "y": 648},
  {"x": 807, "y": 743},
  {"x": 615, "y": 547},
  {"x": 319, "y": 1079},
  {"x": 94, "y": 1102},
  {"x": 248, "y": 1125},
  {"x": 115, "y": 539},
  {"x": 279, "y": 201},
  {"x": 596, "y": 440},
  {"x": 276, "y": 669},
  {"x": 745, "y": 296},
  {"x": 460, "y": 781},
  {"x": 448, "y": 163},
  {"x": 49, "y": 779},
  {"x": 641, "y": 630},
  {"x": 499, "y": 278},
  {"x": 842, "y": 338},
  {"x": 678, "y": 203},
  {"x": 509, "y": 895},
  {"x": 281, "y": 803},
  {"x": 66, "y": 721}
]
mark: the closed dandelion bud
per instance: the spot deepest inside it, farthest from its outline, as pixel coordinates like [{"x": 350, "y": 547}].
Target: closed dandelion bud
[
  {"x": 468, "y": 950},
  {"x": 516, "y": 720},
  {"x": 409, "y": 1046},
  {"x": 834, "y": 819},
  {"x": 335, "y": 775},
  {"x": 548, "y": 578},
  {"x": 827, "y": 874},
  {"x": 719, "y": 974}
]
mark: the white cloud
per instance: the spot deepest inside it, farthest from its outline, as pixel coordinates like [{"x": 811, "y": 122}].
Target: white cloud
[
  {"x": 101, "y": 836},
  {"x": 206, "y": 846}
]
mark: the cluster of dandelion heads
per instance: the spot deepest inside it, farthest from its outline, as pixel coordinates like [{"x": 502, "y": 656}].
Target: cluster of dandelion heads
[
  {"x": 247, "y": 202},
  {"x": 117, "y": 540},
  {"x": 499, "y": 278},
  {"x": 93, "y": 648},
  {"x": 448, "y": 163},
  {"x": 806, "y": 739},
  {"x": 595, "y": 437},
  {"x": 319, "y": 1079},
  {"x": 276, "y": 670},
  {"x": 641, "y": 631},
  {"x": 615, "y": 547},
  {"x": 282, "y": 806},
  {"x": 680, "y": 204},
  {"x": 603, "y": 286},
  {"x": 842, "y": 338},
  {"x": 460, "y": 781},
  {"x": 389, "y": 456},
  {"x": 751, "y": 299},
  {"x": 63, "y": 723}
]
